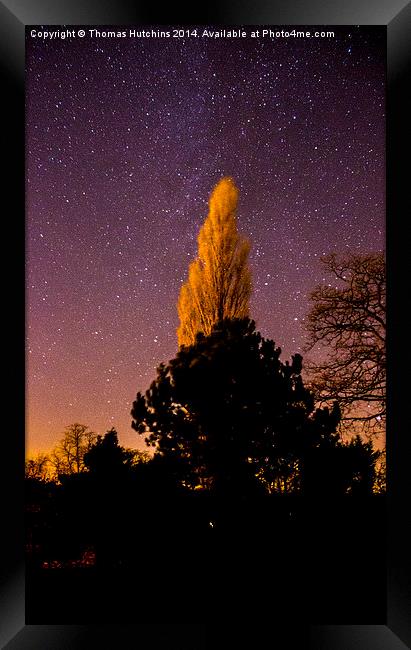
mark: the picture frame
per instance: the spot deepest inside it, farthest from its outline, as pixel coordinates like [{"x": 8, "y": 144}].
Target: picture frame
[{"x": 395, "y": 634}]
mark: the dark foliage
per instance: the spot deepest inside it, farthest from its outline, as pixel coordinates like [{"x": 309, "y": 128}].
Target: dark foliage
[
  {"x": 281, "y": 500},
  {"x": 227, "y": 415},
  {"x": 106, "y": 458}
]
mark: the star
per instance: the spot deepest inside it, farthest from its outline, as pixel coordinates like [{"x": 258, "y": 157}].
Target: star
[{"x": 126, "y": 139}]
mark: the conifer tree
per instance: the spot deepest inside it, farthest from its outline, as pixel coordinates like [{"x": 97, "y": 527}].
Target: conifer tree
[{"x": 219, "y": 280}]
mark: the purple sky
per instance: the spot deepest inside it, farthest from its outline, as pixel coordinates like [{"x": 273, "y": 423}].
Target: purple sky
[{"x": 126, "y": 139}]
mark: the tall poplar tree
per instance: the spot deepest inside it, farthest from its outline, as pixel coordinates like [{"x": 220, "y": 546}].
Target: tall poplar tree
[{"x": 219, "y": 280}]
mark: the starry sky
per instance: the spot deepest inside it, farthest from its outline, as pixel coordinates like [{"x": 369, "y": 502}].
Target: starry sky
[{"x": 125, "y": 140}]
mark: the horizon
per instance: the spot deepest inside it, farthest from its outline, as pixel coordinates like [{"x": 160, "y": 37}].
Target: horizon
[{"x": 125, "y": 142}]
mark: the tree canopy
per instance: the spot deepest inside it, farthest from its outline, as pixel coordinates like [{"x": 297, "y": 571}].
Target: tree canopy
[
  {"x": 107, "y": 458},
  {"x": 347, "y": 321},
  {"x": 219, "y": 279},
  {"x": 68, "y": 455},
  {"x": 230, "y": 417},
  {"x": 37, "y": 467}
]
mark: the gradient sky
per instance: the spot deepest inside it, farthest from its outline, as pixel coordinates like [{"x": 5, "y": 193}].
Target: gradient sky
[{"x": 126, "y": 138}]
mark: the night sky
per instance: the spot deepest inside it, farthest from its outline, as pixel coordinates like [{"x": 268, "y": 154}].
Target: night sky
[{"x": 126, "y": 138}]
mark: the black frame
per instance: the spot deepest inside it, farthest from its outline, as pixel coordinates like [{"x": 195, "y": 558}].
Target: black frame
[{"x": 14, "y": 16}]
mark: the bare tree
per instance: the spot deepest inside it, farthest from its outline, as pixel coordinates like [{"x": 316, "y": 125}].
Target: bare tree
[
  {"x": 37, "y": 467},
  {"x": 219, "y": 279},
  {"x": 68, "y": 456},
  {"x": 347, "y": 325},
  {"x": 58, "y": 463}
]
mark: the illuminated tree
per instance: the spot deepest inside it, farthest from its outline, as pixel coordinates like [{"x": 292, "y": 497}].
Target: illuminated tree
[
  {"x": 347, "y": 320},
  {"x": 219, "y": 280}
]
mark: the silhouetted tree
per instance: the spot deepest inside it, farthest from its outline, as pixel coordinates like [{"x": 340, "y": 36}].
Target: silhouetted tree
[
  {"x": 347, "y": 319},
  {"x": 340, "y": 468},
  {"x": 68, "y": 456},
  {"x": 231, "y": 417},
  {"x": 219, "y": 280},
  {"x": 37, "y": 467},
  {"x": 107, "y": 457}
]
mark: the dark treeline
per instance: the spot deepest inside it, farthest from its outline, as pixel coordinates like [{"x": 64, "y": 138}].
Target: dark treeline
[
  {"x": 228, "y": 416},
  {"x": 250, "y": 500}
]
